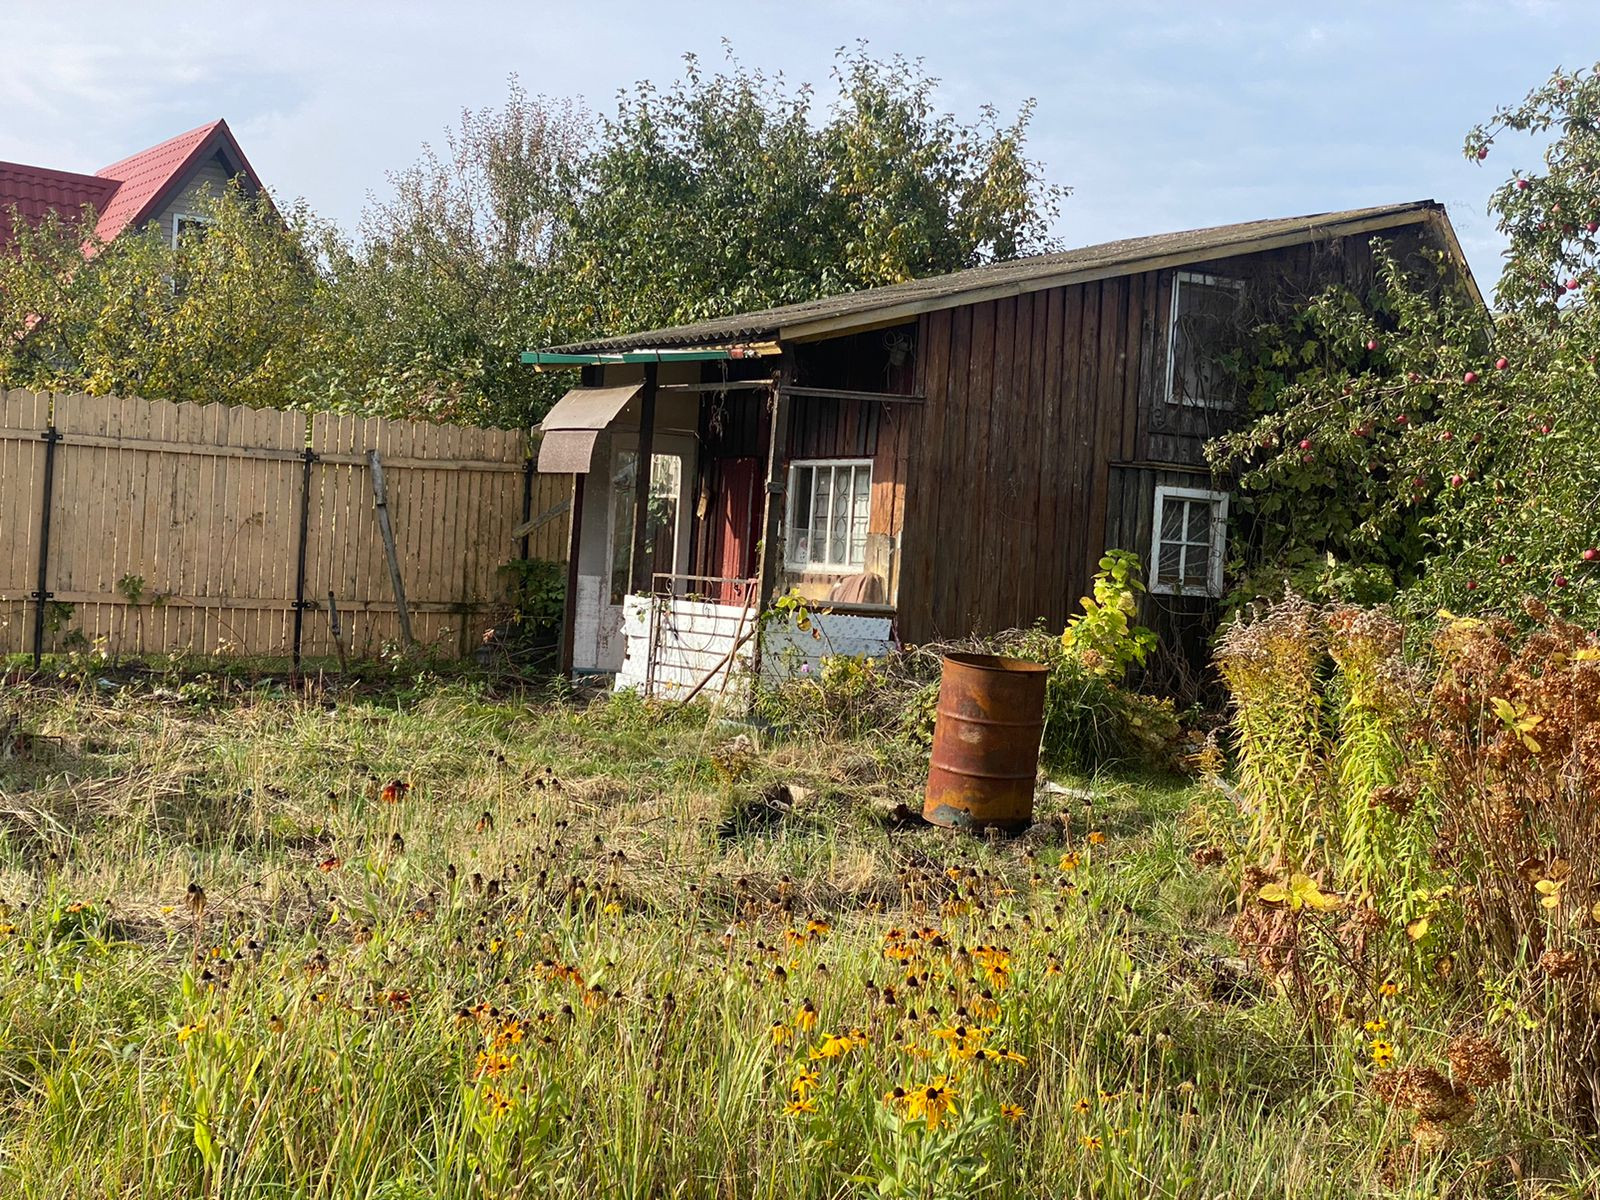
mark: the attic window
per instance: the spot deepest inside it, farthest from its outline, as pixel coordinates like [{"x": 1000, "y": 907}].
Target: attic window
[
  {"x": 1204, "y": 310},
  {"x": 1187, "y": 541},
  {"x": 188, "y": 225}
]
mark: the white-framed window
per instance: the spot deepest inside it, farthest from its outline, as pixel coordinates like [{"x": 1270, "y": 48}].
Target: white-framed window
[
  {"x": 185, "y": 224},
  {"x": 1203, "y": 309},
  {"x": 1186, "y": 546},
  {"x": 829, "y": 501}
]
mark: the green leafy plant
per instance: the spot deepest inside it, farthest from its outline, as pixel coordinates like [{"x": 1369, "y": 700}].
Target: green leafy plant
[{"x": 1104, "y": 638}]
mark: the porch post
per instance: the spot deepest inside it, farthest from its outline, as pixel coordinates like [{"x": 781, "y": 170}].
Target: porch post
[
  {"x": 773, "y": 498},
  {"x": 640, "y": 580},
  {"x": 574, "y": 536}
]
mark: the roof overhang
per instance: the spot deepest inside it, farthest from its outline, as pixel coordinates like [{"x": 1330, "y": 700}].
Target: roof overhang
[
  {"x": 575, "y": 423},
  {"x": 543, "y": 359}
]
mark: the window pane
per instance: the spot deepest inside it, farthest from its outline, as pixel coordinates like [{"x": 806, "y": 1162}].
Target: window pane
[
  {"x": 624, "y": 473},
  {"x": 822, "y": 499},
  {"x": 1200, "y": 521},
  {"x": 1205, "y": 314},
  {"x": 800, "y": 517},
  {"x": 860, "y": 515},
  {"x": 1172, "y": 519},
  {"x": 839, "y": 532},
  {"x": 1171, "y": 567}
]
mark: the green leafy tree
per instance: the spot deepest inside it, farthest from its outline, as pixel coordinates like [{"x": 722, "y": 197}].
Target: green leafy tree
[
  {"x": 450, "y": 277},
  {"x": 1406, "y": 442},
  {"x": 726, "y": 192},
  {"x": 228, "y": 314}
]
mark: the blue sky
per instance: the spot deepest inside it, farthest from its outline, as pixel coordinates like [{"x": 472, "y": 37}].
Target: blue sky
[{"x": 1159, "y": 115}]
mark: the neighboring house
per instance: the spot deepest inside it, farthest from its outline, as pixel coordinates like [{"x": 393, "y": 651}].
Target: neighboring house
[
  {"x": 928, "y": 460},
  {"x": 166, "y": 184}
]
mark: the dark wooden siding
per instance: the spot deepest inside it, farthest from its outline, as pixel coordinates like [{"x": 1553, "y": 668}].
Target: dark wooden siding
[{"x": 1045, "y": 434}]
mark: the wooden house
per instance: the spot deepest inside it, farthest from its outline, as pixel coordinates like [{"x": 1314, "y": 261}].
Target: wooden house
[{"x": 927, "y": 460}]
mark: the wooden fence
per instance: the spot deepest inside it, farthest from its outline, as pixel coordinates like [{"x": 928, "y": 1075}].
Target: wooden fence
[{"x": 180, "y": 528}]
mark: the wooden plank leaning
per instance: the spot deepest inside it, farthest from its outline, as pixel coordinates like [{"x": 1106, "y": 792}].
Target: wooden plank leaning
[{"x": 386, "y": 528}]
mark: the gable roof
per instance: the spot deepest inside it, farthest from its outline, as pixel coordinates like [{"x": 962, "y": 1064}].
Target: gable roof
[
  {"x": 130, "y": 191},
  {"x": 147, "y": 181},
  {"x": 873, "y": 307}
]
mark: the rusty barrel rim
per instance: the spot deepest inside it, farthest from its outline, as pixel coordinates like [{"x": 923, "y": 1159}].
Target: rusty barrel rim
[{"x": 999, "y": 663}]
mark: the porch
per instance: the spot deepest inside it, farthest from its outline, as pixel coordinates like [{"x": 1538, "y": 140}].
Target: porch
[{"x": 698, "y": 501}]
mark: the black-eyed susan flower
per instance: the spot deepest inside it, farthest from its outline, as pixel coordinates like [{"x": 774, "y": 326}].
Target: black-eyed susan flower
[
  {"x": 933, "y": 1102},
  {"x": 1081, "y": 1106},
  {"x": 800, "y": 1106},
  {"x": 1012, "y": 1112},
  {"x": 832, "y": 1046},
  {"x": 1090, "y": 1142},
  {"x": 806, "y": 1018},
  {"x": 1382, "y": 1053},
  {"x": 805, "y": 1082},
  {"x": 779, "y": 1032},
  {"x": 1069, "y": 861},
  {"x": 1377, "y": 1026},
  {"x": 1096, "y": 838}
]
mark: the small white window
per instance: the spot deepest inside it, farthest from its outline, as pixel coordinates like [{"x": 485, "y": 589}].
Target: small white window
[
  {"x": 188, "y": 224},
  {"x": 829, "y": 501},
  {"x": 1187, "y": 544},
  {"x": 1204, "y": 307}
]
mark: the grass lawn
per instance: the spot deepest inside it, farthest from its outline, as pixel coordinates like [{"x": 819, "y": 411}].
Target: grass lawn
[{"x": 434, "y": 942}]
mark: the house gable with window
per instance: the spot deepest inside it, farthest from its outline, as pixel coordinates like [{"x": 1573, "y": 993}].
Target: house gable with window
[
  {"x": 947, "y": 456},
  {"x": 169, "y": 185}
]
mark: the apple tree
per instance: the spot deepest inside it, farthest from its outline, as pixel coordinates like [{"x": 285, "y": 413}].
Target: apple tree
[{"x": 1408, "y": 444}]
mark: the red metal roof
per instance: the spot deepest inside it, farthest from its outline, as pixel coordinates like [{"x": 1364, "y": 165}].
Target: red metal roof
[
  {"x": 37, "y": 190},
  {"x": 127, "y": 193}
]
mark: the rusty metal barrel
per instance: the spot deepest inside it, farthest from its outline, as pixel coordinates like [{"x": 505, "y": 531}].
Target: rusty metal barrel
[{"x": 986, "y": 742}]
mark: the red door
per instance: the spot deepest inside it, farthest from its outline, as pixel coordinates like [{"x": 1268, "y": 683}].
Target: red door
[{"x": 734, "y": 519}]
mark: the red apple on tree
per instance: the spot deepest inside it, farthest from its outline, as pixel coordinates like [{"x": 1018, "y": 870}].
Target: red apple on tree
[
  {"x": 1591, "y": 554},
  {"x": 1470, "y": 377},
  {"x": 1500, "y": 364},
  {"x": 1560, "y": 581}
]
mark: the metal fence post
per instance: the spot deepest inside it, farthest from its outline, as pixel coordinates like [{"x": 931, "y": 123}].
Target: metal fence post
[
  {"x": 41, "y": 596},
  {"x": 307, "y": 457}
]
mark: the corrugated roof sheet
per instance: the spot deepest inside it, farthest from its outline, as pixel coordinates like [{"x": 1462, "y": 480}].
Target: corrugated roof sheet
[{"x": 1018, "y": 275}]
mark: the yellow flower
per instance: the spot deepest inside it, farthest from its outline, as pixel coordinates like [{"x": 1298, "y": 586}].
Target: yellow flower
[
  {"x": 1081, "y": 1107},
  {"x": 1097, "y": 838},
  {"x": 817, "y": 928},
  {"x": 187, "y": 1032},
  {"x": 805, "y": 1083},
  {"x": 1012, "y": 1112},
  {"x": 496, "y": 1102},
  {"x": 799, "y": 1106},
  {"x": 493, "y": 1064},
  {"x": 806, "y": 1017},
  {"x": 932, "y": 1103},
  {"x": 833, "y": 1046},
  {"x": 780, "y": 1033},
  {"x": 1069, "y": 861},
  {"x": 1377, "y": 1026},
  {"x": 1091, "y": 1141},
  {"x": 1382, "y": 1054},
  {"x": 1388, "y": 988}
]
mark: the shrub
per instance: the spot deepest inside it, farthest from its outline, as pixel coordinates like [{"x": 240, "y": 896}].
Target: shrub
[{"x": 1454, "y": 800}]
